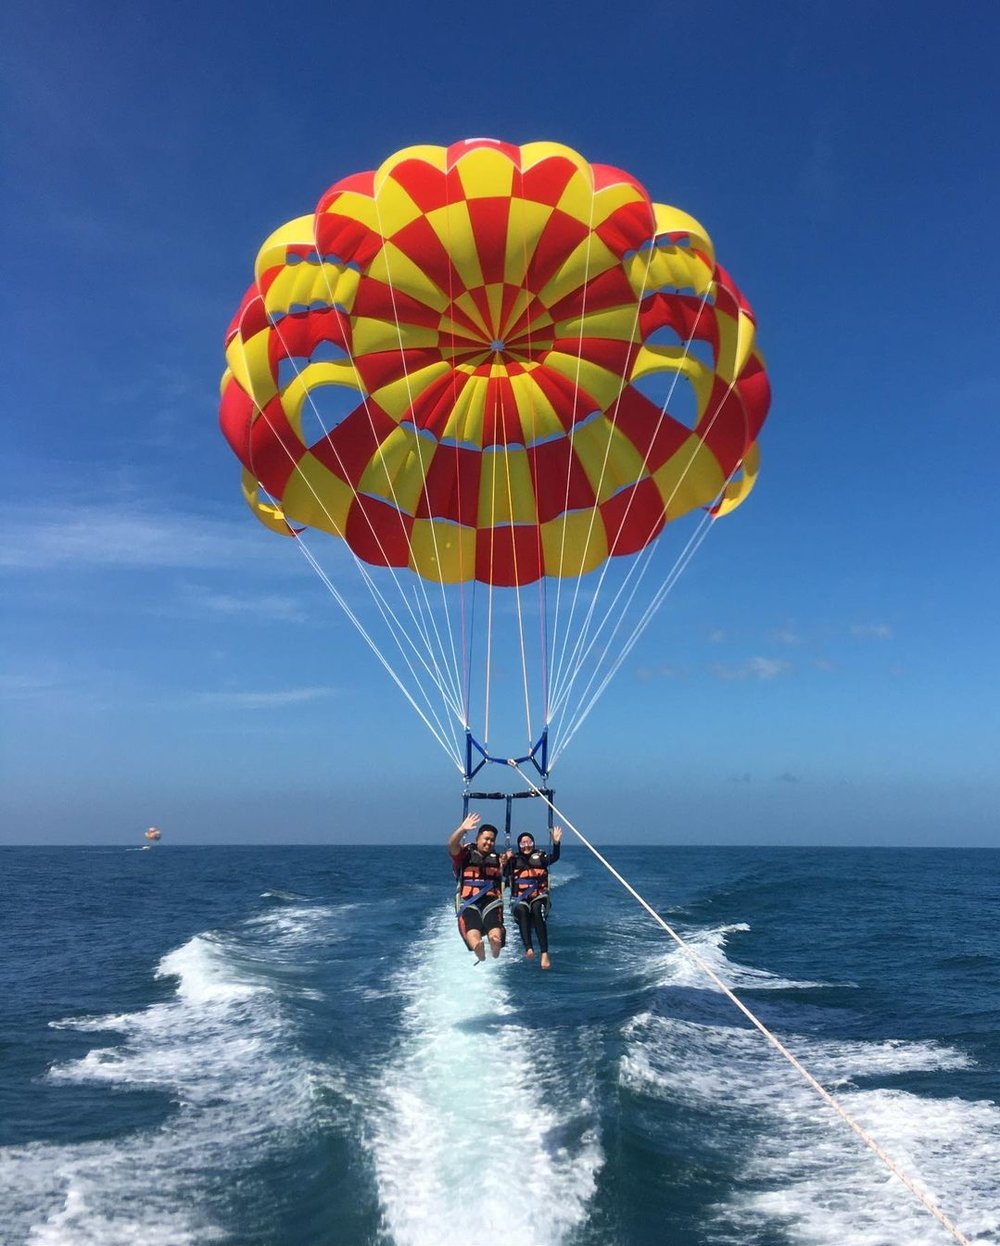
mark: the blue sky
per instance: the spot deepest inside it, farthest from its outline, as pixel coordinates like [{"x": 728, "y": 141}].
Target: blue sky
[{"x": 827, "y": 669}]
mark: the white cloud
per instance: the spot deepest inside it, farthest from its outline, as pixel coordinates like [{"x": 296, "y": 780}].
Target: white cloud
[
  {"x": 787, "y": 635},
  {"x": 262, "y": 606},
  {"x": 755, "y": 668},
  {"x": 872, "y": 631},
  {"x": 23, "y": 686},
  {"x": 126, "y": 536},
  {"x": 649, "y": 673},
  {"x": 265, "y": 700}
]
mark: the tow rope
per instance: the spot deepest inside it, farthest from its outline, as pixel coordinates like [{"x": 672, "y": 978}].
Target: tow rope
[{"x": 776, "y": 1043}]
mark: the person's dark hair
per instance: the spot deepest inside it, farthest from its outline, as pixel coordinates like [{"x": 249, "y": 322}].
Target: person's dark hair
[{"x": 486, "y": 826}]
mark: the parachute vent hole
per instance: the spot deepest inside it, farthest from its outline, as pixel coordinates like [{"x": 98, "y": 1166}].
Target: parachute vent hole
[
  {"x": 665, "y": 335},
  {"x": 288, "y": 369},
  {"x": 328, "y": 352},
  {"x": 325, "y": 408},
  {"x": 671, "y": 393},
  {"x": 696, "y": 348},
  {"x": 701, "y": 350}
]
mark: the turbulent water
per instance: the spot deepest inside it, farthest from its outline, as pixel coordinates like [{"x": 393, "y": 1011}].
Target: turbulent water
[{"x": 290, "y": 1047}]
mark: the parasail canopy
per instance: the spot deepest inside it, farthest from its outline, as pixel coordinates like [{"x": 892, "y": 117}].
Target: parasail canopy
[{"x": 492, "y": 364}]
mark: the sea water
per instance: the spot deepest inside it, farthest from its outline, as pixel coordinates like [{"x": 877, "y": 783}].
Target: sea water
[{"x": 291, "y": 1047}]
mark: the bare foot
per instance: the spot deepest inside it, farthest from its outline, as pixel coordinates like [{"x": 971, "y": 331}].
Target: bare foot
[
  {"x": 480, "y": 951},
  {"x": 545, "y": 963},
  {"x": 529, "y": 953}
]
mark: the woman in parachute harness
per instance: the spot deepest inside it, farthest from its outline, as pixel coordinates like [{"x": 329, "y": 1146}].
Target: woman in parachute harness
[
  {"x": 527, "y": 872},
  {"x": 479, "y": 899}
]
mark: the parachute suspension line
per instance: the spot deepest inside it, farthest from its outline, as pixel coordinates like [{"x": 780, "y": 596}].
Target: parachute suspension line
[
  {"x": 776, "y": 1043},
  {"x": 467, "y": 639},
  {"x": 543, "y": 640},
  {"x": 539, "y": 544},
  {"x": 579, "y": 651},
  {"x": 381, "y": 603},
  {"x": 420, "y": 624},
  {"x": 420, "y": 456},
  {"x": 574, "y": 669},
  {"x": 437, "y": 731},
  {"x": 489, "y": 600},
  {"x": 673, "y": 575},
  {"x": 680, "y": 565},
  {"x": 435, "y": 675},
  {"x": 644, "y": 558},
  {"x": 456, "y": 717},
  {"x": 574, "y": 662},
  {"x": 467, "y": 631},
  {"x": 517, "y": 585},
  {"x": 569, "y": 457}
]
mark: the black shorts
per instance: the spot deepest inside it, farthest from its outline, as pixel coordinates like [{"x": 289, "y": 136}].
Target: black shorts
[{"x": 484, "y": 917}]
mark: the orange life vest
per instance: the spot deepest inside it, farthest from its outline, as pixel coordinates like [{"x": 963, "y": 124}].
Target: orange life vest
[
  {"x": 529, "y": 876},
  {"x": 480, "y": 878}
]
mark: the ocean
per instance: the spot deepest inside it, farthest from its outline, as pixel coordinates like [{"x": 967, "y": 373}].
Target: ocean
[{"x": 289, "y": 1046}]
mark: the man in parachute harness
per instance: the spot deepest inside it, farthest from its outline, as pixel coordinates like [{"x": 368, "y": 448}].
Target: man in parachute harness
[
  {"x": 527, "y": 871},
  {"x": 479, "y": 899}
]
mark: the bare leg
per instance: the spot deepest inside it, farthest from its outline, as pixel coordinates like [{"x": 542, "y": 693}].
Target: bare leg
[
  {"x": 474, "y": 940},
  {"x": 545, "y": 963},
  {"x": 495, "y": 937},
  {"x": 529, "y": 953}
]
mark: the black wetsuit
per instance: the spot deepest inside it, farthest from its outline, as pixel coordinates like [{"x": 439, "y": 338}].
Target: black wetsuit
[{"x": 528, "y": 875}]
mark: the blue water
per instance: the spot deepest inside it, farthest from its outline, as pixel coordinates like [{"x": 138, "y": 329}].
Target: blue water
[{"x": 290, "y": 1047}]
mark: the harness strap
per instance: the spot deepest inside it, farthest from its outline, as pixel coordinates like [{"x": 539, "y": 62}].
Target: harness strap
[
  {"x": 486, "y": 888},
  {"x": 527, "y": 889}
]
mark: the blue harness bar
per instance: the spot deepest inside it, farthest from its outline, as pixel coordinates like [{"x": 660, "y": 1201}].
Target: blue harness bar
[{"x": 538, "y": 755}]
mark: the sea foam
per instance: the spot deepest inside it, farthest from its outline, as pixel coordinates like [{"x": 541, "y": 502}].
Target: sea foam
[
  {"x": 804, "y": 1175},
  {"x": 469, "y": 1088},
  {"x": 222, "y": 1046}
]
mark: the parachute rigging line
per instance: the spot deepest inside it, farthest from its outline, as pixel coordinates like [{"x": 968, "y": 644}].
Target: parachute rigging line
[
  {"x": 398, "y": 633},
  {"x": 338, "y": 597},
  {"x": 681, "y": 563},
  {"x": 637, "y": 569},
  {"x": 417, "y": 439},
  {"x": 396, "y": 629},
  {"x": 923, "y": 1198},
  {"x": 388, "y": 475},
  {"x": 598, "y": 490},
  {"x": 575, "y": 665},
  {"x": 572, "y": 433}
]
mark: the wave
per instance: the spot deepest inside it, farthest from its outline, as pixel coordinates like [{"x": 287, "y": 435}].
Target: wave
[
  {"x": 223, "y": 1048},
  {"x": 801, "y": 1173},
  {"x": 472, "y": 1095},
  {"x": 676, "y": 968}
]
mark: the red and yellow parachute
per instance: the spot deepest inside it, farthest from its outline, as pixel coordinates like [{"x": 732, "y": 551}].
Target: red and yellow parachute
[
  {"x": 153, "y": 834},
  {"x": 450, "y": 365},
  {"x": 492, "y": 308}
]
